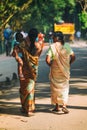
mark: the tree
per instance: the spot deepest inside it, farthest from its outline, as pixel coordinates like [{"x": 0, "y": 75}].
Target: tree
[
  {"x": 10, "y": 9},
  {"x": 35, "y": 13},
  {"x": 83, "y": 14},
  {"x": 44, "y": 13}
]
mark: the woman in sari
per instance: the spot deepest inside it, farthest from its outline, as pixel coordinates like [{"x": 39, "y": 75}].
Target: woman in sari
[
  {"x": 59, "y": 57},
  {"x": 30, "y": 51}
]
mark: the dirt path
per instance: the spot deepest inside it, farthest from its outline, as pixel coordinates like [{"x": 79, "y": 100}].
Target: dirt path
[{"x": 12, "y": 119}]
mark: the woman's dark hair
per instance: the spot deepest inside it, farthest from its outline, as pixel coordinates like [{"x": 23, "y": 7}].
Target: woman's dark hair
[
  {"x": 33, "y": 34},
  {"x": 59, "y": 35},
  {"x": 19, "y": 37}
]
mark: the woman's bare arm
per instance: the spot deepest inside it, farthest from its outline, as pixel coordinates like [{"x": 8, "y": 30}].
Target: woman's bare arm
[
  {"x": 72, "y": 58},
  {"x": 48, "y": 60}
]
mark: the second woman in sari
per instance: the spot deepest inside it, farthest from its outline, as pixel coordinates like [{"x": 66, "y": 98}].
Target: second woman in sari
[{"x": 59, "y": 57}]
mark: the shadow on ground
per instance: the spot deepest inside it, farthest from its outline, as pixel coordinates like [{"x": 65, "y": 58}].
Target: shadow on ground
[
  {"x": 78, "y": 85},
  {"x": 12, "y": 108}
]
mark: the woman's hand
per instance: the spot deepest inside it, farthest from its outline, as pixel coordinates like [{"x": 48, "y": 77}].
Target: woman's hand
[
  {"x": 48, "y": 60},
  {"x": 72, "y": 58}
]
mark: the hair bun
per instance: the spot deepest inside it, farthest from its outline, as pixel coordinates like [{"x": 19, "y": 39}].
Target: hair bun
[{"x": 59, "y": 35}]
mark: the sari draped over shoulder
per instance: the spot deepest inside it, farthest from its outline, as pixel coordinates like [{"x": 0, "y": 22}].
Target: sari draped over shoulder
[
  {"x": 30, "y": 71},
  {"x": 63, "y": 59},
  {"x": 59, "y": 74}
]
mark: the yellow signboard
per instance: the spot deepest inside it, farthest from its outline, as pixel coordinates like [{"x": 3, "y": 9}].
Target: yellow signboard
[{"x": 65, "y": 28}]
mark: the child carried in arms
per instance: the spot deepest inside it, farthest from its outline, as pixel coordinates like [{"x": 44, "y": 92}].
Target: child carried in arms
[{"x": 24, "y": 42}]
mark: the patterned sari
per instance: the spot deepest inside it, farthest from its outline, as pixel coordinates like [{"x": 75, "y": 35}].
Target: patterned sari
[
  {"x": 30, "y": 68},
  {"x": 59, "y": 72}
]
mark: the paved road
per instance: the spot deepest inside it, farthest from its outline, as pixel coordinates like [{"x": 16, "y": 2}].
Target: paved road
[
  {"x": 44, "y": 119},
  {"x": 7, "y": 67}
]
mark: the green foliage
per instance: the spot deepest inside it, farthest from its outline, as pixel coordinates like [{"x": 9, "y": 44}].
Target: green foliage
[
  {"x": 83, "y": 19},
  {"x": 34, "y": 13},
  {"x": 45, "y": 12},
  {"x": 10, "y": 11},
  {"x": 83, "y": 13}
]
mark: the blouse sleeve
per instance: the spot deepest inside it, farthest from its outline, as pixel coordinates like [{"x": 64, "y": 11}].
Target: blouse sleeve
[
  {"x": 68, "y": 48},
  {"x": 49, "y": 52}
]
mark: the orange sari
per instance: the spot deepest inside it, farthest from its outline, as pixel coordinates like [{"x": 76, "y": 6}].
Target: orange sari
[{"x": 30, "y": 68}]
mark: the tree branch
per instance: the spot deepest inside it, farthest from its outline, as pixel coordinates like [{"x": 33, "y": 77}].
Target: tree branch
[{"x": 24, "y": 7}]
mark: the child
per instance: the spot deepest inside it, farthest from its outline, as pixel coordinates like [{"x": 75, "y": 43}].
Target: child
[{"x": 18, "y": 55}]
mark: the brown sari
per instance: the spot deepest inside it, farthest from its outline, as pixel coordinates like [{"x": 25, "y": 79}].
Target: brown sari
[{"x": 30, "y": 69}]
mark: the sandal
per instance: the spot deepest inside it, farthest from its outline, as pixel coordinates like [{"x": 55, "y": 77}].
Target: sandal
[
  {"x": 56, "y": 110},
  {"x": 30, "y": 113},
  {"x": 65, "y": 110}
]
